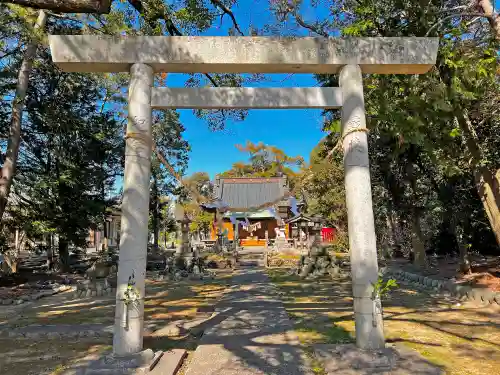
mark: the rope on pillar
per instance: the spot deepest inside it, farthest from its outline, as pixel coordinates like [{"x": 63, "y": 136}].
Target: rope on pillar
[{"x": 341, "y": 139}]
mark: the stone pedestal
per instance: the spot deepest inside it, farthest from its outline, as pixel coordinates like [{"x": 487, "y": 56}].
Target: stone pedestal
[
  {"x": 138, "y": 363},
  {"x": 347, "y": 359},
  {"x": 145, "y": 362}
]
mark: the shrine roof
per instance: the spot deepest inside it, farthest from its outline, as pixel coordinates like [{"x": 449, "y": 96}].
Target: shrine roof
[
  {"x": 247, "y": 192},
  {"x": 298, "y": 218}
]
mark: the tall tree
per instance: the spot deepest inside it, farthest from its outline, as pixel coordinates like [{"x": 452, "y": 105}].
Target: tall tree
[
  {"x": 458, "y": 95},
  {"x": 322, "y": 181},
  {"x": 146, "y": 18},
  {"x": 10, "y": 161},
  {"x": 167, "y": 133},
  {"x": 266, "y": 161},
  {"x": 70, "y": 151},
  {"x": 198, "y": 186}
]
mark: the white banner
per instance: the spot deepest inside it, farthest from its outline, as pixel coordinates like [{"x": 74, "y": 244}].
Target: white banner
[{"x": 252, "y": 227}]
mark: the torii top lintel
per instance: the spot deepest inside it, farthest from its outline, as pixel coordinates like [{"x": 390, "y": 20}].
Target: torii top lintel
[{"x": 202, "y": 54}]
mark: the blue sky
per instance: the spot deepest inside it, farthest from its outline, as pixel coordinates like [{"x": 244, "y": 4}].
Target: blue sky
[{"x": 294, "y": 131}]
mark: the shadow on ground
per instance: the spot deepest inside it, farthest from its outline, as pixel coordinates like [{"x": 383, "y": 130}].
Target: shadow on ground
[
  {"x": 461, "y": 338},
  {"x": 250, "y": 333},
  {"x": 166, "y": 303}
]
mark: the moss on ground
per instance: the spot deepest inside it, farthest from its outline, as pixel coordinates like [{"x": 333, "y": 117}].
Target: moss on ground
[{"x": 463, "y": 339}]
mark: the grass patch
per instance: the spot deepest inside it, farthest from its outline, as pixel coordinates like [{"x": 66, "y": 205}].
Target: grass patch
[
  {"x": 165, "y": 302},
  {"x": 462, "y": 339}
]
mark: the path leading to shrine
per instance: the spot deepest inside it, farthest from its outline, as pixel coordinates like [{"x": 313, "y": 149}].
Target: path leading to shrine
[{"x": 252, "y": 333}]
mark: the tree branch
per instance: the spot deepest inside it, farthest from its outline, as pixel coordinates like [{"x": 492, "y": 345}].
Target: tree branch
[
  {"x": 453, "y": 16},
  {"x": 229, "y": 12},
  {"x": 305, "y": 25},
  {"x": 489, "y": 12},
  {"x": 171, "y": 28},
  {"x": 62, "y": 17},
  {"x": 9, "y": 53},
  {"x": 66, "y": 6}
]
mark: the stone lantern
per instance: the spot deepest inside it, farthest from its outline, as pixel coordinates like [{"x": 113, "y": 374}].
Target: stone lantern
[
  {"x": 181, "y": 217},
  {"x": 315, "y": 226}
]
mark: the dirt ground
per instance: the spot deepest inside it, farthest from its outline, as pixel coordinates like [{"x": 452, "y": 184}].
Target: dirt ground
[
  {"x": 166, "y": 301},
  {"x": 462, "y": 338}
]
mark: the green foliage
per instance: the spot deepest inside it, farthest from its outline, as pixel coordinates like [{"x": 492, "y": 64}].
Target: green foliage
[
  {"x": 197, "y": 186},
  {"x": 322, "y": 181},
  {"x": 381, "y": 288},
  {"x": 341, "y": 243},
  {"x": 69, "y": 161},
  {"x": 167, "y": 132},
  {"x": 266, "y": 161},
  {"x": 422, "y": 175},
  {"x": 72, "y": 147}
]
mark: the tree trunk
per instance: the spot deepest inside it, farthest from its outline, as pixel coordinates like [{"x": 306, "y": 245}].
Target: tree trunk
[
  {"x": 156, "y": 213},
  {"x": 63, "y": 254},
  {"x": 487, "y": 184},
  {"x": 394, "y": 231},
  {"x": 105, "y": 234},
  {"x": 10, "y": 163},
  {"x": 488, "y": 190},
  {"x": 417, "y": 239},
  {"x": 493, "y": 18},
  {"x": 67, "y": 6},
  {"x": 11, "y": 260},
  {"x": 463, "y": 251},
  {"x": 50, "y": 252}
]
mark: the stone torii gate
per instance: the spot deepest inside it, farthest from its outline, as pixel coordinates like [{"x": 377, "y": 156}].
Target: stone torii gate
[{"x": 143, "y": 56}]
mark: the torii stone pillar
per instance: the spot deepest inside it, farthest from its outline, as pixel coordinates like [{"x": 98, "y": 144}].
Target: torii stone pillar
[
  {"x": 129, "y": 320},
  {"x": 348, "y": 56},
  {"x": 361, "y": 225}
]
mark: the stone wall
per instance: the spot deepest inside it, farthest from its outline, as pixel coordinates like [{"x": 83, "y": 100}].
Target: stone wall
[
  {"x": 443, "y": 286},
  {"x": 34, "y": 293}
]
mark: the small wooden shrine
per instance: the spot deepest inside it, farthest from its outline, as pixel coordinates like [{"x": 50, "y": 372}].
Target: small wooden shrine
[{"x": 254, "y": 209}]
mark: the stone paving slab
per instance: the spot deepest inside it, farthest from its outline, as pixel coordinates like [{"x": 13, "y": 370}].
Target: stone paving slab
[
  {"x": 170, "y": 362},
  {"x": 251, "y": 333},
  {"x": 133, "y": 364},
  {"x": 347, "y": 359}
]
